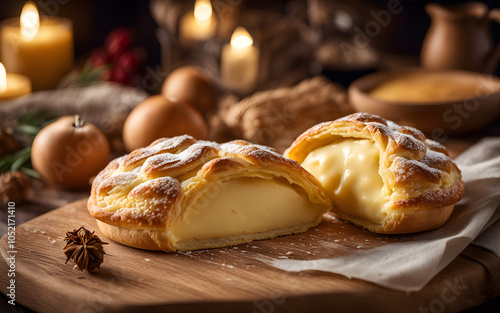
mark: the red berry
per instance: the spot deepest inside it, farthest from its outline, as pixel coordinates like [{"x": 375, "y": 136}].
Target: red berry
[
  {"x": 118, "y": 41},
  {"x": 98, "y": 58},
  {"x": 128, "y": 61},
  {"x": 120, "y": 76}
]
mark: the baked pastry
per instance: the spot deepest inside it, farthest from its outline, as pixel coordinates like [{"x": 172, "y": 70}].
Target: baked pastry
[
  {"x": 381, "y": 176},
  {"x": 183, "y": 194}
]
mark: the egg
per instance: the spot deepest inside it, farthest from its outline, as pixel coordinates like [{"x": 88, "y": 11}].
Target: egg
[
  {"x": 69, "y": 152},
  {"x": 157, "y": 117},
  {"x": 189, "y": 85}
]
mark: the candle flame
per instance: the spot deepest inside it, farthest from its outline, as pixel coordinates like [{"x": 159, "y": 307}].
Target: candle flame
[
  {"x": 241, "y": 38},
  {"x": 30, "y": 21},
  {"x": 3, "y": 78},
  {"x": 202, "y": 10}
]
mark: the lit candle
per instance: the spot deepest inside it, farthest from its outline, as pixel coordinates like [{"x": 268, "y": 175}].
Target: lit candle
[
  {"x": 13, "y": 85},
  {"x": 240, "y": 62},
  {"x": 198, "y": 25},
  {"x": 41, "y": 49}
]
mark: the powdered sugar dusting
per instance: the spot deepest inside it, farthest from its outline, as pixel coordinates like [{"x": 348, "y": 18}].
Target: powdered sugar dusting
[
  {"x": 162, "y": 145},
  {"x": 407, "y": 170},
  {"x": 413, "y": 157},
  {"x": 119, "y": 180},
  {"x": 175, "y": 164}
]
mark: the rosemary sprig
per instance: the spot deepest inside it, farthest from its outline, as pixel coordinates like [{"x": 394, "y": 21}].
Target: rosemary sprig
[
  {"x": 30, "y": 172},
  {"x": 30, "y": 123},
  {"x": 89, "y": 75},
  {"x": 28, "y": 126},
  {"x": 19, "y": 161}
]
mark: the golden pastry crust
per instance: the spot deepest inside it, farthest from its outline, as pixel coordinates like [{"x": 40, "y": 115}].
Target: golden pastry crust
[
  {"x": 423, "y": 182},
  {"x": 140, "y": 197}
]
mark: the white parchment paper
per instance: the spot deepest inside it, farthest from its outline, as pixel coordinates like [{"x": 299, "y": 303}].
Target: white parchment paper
[{"x": 409, "y": 266}]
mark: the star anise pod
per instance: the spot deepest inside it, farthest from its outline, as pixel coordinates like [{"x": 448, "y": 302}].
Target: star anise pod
[{"x": 84, "y": 248}]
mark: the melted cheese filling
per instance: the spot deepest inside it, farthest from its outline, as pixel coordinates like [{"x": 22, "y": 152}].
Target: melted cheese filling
[
  {"x": 245, "y": 206},
  {"x": 348, "y": 170}
]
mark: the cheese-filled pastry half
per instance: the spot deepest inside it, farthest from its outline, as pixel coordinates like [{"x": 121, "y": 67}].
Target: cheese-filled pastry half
[
  {"x": 183, "y": 194},
  {"x": 382, "y": 176}
]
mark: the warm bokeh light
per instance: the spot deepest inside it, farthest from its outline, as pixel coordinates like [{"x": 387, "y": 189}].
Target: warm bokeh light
[
  {"x": 202, "y": 10},
  {"x": 241, "y": 38},
  {"x": 3, "y": 78},
  {"x": 30, "y": 21}
]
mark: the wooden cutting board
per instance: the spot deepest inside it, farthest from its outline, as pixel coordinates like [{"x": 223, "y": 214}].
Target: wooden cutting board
[{"x": 229, "y": 279}]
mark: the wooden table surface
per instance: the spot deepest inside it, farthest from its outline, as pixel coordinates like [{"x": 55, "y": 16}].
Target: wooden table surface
[{"x": 43, "y": 198}]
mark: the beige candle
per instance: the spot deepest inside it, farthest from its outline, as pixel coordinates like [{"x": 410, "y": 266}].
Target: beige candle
[
  {"x": 13, "y": 85},
  {"x": 198, "y": 25},
  {"x": 240, "y": 62},
  {"x": 40, "y": 49}
]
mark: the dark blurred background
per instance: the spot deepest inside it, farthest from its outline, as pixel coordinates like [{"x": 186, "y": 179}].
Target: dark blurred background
[{"x": 94, "y": 19}]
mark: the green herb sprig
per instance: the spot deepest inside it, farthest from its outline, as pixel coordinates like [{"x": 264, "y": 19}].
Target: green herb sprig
[{"x": 28, "y": 126}]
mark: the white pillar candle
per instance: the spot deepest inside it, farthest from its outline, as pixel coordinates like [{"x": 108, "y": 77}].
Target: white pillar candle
[
  {"x": 40, "y": 49},
  {"x": 13, "y": 85},
  {"x": 240, "y": 62}
]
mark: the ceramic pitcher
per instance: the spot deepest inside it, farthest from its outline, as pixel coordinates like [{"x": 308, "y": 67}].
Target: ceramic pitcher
[{"x": 459, "y": 38}]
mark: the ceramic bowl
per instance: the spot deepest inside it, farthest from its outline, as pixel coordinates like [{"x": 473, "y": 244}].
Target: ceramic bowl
[{"x": 433, "y": 118}]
